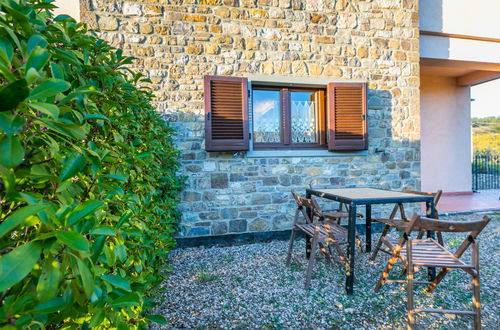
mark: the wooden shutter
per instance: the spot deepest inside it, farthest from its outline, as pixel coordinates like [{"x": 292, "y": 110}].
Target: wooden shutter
[
  {"x": 347, "y": 129},
  {"x": 226, "y": 113}
]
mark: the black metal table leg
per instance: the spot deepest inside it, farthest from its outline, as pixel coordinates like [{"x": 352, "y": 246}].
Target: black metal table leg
[
  {"x": 308, "y": 238},
  {"x": 368, "y": 228},
  {"x": 431, "y": 213},
  {"x": 351, "y": 243}
]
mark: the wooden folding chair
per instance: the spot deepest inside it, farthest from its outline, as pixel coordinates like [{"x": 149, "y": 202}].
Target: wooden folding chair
[
  {"x": 339, "y": 213},
  {"x": 414, "y": 253},
  {"x": 401, "y": 223},
  {"x": 324, "y": 234}
]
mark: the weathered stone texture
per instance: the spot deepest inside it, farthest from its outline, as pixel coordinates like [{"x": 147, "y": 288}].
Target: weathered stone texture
[{"x": 177, "y": 42}]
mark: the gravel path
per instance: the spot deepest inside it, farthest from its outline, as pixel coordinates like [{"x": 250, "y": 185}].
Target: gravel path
[{"x": 248, "y": 286}]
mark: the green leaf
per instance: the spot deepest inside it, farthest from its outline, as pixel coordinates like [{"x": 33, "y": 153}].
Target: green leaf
[
  {"x": 103, "y": 230},
  {"x": 57, "y": 71},
  {"x": 15, "y": 265},
  {"x": 46, "y": 108},
  {"x": 97, "y": 247},
  {"x": 48, "y": 282},
  {"x": 69, "y": 130},
  {"x": 9, "y": 180},
  {"x": 72, "y": 166},
  {"x": 36, "y": 40},
  {"x": 6, "y": 51},
  {"x": 128, "y": 300},
  {"x": 38, "y": 58},
  {"x": 123, "y": 218},
  {"x": 32, "y": 75},
  {"x": 13, "y": 94},
  {"x": 51, "y": 306},
  {"x": 74, "y": 240},
  {"x": 5, "y": 71},
  {"x": 97, "y": 317},
  {"x": 11, "y": 151},
  {"x": 10, "y": 123},
  {"x": 95, "y": 116},
  {"x": 16, "y": 218},
  {"x": 115, "y": 176},
  {"x": 87, "y": 277},
  {"x": 49, "y": 87},
  {"x": 117, "y": 281},
  {"x": 157, "y": 319},
  {"x": 82, "y": 210}
]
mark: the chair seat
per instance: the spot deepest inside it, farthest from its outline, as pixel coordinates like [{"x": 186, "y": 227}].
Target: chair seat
[
  {"x": 428, "y": 252},
  {"x": 327, "y": 231}
]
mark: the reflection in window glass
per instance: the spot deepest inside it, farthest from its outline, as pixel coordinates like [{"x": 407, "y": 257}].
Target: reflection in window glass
[
  {"x": 303, "y": 117},
  {"x": 266, "y": 116}
]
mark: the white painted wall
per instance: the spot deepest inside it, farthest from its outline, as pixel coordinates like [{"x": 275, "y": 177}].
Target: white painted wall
[
  {"x": 445, "y": 135},
  {"x": 68, "y": 7},
  {"x": 468, "y": 17}
]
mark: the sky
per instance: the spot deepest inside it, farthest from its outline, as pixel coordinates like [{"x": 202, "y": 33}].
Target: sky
[{"x": 486, "y": 99}]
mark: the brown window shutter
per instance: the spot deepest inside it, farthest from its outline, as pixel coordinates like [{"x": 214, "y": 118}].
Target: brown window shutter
[
  {"x": 226, "y": 113},
  {"x": 347, "y": 129}
]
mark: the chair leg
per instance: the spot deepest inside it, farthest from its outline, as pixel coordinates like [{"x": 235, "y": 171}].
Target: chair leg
[
  {"x": 409, "y": 288},
  {"x": 476, "y": 300},
  {"x": 327, "y": 255},
  {"x": 379, "y": 243},
  {"x": 438, "y": 279},
  {"x": 385, "y": 273},
  {"x": 312, "y": 258},
  {"x": 439, "y": 236},
  {"x": 290, "y": 248},
  {"x": 359, "y": 243}
]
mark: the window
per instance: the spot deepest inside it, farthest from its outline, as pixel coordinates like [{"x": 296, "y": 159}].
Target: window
[
  {"x": 333, "y": 117},
  {"x": 288, "y": 118}
]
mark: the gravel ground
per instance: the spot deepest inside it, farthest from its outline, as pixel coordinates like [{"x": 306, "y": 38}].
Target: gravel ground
[{"x": 248, "y": 286}]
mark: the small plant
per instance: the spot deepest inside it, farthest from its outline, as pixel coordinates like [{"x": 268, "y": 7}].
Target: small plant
[
  {"x": 205, "y": 277},
  {"x": 295, "y": 266}
]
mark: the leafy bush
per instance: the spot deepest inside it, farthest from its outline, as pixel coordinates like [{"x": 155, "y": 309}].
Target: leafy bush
[{"x": 88, "y": 187}]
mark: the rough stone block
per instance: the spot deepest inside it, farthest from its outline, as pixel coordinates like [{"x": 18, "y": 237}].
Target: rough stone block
[
  {"x": 229, "y": 213},
  {"x": 258, "y": 225},
  {"x": 131, "y": 9},
  {"x": 260, "y": 198},
  {"x": 237, "y": 226},
  {"x": 219, "y": 180},
  {"x": 219, "y": 228},
  {"x": 107, "y": 23}
]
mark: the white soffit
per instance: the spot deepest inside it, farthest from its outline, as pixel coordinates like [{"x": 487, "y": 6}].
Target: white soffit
[{"x": 446, "y": 48}]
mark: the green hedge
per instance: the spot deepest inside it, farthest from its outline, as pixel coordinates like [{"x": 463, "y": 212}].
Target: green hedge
[{"x": 89, "y": 183}]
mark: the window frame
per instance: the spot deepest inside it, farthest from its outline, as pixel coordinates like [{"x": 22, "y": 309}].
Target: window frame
[{"x": 286, "y": 120}]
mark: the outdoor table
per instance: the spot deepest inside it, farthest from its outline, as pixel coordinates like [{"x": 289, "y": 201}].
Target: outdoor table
[{"x": 367, "y": 196}]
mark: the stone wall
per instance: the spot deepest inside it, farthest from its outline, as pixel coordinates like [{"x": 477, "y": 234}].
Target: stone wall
[{"x": 177, "y": 42}]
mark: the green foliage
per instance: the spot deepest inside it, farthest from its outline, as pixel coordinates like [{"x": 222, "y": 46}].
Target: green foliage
[
  {"x": 88, "y": 177},
  {"x": 485, "y": 135}
]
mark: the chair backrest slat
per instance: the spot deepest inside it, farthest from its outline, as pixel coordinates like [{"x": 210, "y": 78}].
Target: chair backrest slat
[
  {"x": 424, "y": 224},
  {"x": 303, "y": 203},
  {"x": 437, "y": 195}
]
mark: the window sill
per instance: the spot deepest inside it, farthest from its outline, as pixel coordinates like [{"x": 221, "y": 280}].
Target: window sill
[{"x": 303, "y": 153}]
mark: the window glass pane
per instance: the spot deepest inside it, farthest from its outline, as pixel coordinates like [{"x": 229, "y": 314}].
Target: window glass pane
[
  {"x": 303, "y": 117},
  {"x": 266, "y": 116}
]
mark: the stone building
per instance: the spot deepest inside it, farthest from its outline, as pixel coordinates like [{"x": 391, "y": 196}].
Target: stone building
[{"x": 292, "y": 57}]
